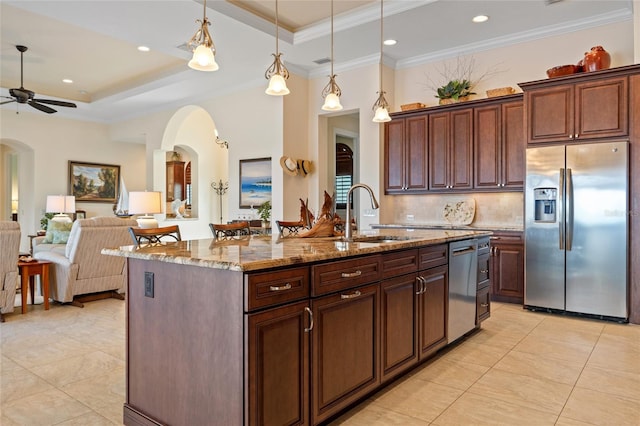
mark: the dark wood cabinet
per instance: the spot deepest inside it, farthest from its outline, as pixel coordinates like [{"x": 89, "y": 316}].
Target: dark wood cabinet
[
  {"x": 577, "y": 111},
  {"x": 507, "y": 267},
  {"x": 413, "y": 309},
  {"x": 499, "y": 147},
  {"x": 433, "y": 301},
  {"x": 483, "y": 302},
  {"x": 450, "y": 150},
  {"x": 175, "y": 181},
  {"x": 278, "y": 366},
  {"x": 344, "y": 349},
  {"x": 406, "y": 155}
]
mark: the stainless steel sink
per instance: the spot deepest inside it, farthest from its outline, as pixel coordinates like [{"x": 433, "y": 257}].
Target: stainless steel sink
[{"x": 378, "y": 238}]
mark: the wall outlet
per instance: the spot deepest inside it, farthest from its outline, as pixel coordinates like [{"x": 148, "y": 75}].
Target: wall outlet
[
  {"x": 410, "y": 218},
  {"x": 369, "y": 213},
  {"x": 148, "y": 284}
]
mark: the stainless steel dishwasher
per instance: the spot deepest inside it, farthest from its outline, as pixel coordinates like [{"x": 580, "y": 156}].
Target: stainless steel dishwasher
[{"x": 463, "y": 269}]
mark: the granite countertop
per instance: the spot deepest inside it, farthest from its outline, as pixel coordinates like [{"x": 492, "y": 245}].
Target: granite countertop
[
  {"x": 263, "y": 252},
  {"x": 412, "y": 225}
]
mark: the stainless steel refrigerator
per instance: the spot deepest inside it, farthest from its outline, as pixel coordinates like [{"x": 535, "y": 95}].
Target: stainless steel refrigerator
[{"x": 576, "y": 229}]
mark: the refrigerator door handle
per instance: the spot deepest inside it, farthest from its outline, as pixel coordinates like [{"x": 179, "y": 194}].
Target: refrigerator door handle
[
  {"x": 561, "y": 212},
  {"x": 569, "y": 203}
]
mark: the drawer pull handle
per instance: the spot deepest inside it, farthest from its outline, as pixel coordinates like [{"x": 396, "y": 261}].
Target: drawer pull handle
[
  {"x": 351, "y": 274},
  {"x": 494, "y": 238},
  {"x": 287, "y": 286},
  {"x": 351, "y": 296},
  {"x": 484, "y": 271},
  {"x": 423, "y": 285},
  {"x": 306, "y": 330},
  {"x": 484, "y": 305}
]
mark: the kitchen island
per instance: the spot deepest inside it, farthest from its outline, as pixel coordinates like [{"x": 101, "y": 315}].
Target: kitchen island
[{"x": 280, "y": 331}]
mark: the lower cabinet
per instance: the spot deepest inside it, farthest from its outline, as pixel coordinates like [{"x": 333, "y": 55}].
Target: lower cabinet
[
  {"x": 413, "y": 319},
  {"x": 507, "y": 267},
  {"x": 278, "y": 366},
  {"x": 344, "y": 349}
]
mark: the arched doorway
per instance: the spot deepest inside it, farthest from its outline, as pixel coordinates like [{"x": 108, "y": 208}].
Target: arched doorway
[{"x": 192, "y": 130}]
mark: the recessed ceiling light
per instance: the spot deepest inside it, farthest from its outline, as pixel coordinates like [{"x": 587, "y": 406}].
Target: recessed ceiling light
[
  {"x": 390, "y": 42},
  {"x": 480, "y": 18},
  {"x": 67, "y": 80},
  {"x": 143, "y": 48},
  {"x": 82, "y": 92}
]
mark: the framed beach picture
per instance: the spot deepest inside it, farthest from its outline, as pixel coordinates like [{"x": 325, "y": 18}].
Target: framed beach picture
[
  {"x": 255, "y": 182},
  {"x": 98, "y": 183}
]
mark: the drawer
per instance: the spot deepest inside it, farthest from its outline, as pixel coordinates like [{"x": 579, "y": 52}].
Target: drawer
[
  {"x": 483, "y": 268},
  {"x": 483, "y": 305},
  {"x": 273, "y": 288},
  {"x": 399, "y": 263},
  {"x": 506, "y": 238},
  {"x": 344, "y": 274},
  {"x": 429, "y": 257},
  {"x": 484, "y": 245}
]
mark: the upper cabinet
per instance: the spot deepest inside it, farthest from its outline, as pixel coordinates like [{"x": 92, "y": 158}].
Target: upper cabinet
[
  {"x": 582, "y": 107},
  {"x": 405, "y": 146},
  {"x": 472, "y": 146},
  {"x": 450, "y": 149},
  {"x": 499, "y": 146}
]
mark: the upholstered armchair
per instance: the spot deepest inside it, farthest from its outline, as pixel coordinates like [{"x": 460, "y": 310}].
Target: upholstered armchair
[
  {"x": 9, "y": 251},
  {"x": 82, "y": 273}
]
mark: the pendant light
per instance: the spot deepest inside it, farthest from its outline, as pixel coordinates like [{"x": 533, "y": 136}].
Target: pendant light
[
  {"x": 277, "y": 73},
  {"x": 331, "y": 92},
  {"x": 381, "y": 106},
  {"x": 202, "y": 46}
]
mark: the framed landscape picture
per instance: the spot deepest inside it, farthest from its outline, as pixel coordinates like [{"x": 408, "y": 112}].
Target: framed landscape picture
[
  {"x": 95, "y": 182},
  {"x": 255, "y": 182}
]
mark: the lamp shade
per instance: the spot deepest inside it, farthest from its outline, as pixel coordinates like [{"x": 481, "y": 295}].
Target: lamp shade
[
  {"x": 381, "y": 115},
  {"x": 145, "y": 202},
  {"x": 277, "y": 86},
  {"x": 61, "y": 204},
  {"x": 332, "y": 103},
  {"x": 203, "y": 59}
]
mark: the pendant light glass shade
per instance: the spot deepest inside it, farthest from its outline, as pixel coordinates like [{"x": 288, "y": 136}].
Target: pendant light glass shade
[
  {"x": 277, "y": 73},
  {"x": 381, "y": 106},
  {"x": 202, "y": 46},
  {"x": 331, "y": 92}
]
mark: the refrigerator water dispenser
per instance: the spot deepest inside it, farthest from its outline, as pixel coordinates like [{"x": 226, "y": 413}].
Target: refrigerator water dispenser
[{"x": 545, "y": 204}]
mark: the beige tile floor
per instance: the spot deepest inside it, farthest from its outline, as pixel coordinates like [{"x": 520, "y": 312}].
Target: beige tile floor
[{"x": 66, "y": 366}]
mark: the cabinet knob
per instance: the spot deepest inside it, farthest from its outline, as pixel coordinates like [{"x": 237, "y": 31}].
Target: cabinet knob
[
  {"x": 576, "y": 136},
  {"x": 570, "y": 136}
]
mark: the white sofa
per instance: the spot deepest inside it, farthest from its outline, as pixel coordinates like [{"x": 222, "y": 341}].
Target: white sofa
[
  {"x": 9, "y": 252},
  {"x": 80, "y": 269}
]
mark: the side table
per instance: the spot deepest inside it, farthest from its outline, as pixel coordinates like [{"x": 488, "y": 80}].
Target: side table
[{"x": 28, "y": 271}]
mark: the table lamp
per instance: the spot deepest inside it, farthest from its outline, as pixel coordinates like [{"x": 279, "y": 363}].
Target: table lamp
[
  {"x": 145, "y": 203},
  {"x": 61, "y": 204}
]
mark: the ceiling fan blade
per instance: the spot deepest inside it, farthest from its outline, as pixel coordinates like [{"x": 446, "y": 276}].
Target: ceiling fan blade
[
  {"x": 41, "y": 107},
  {"x": 7, "y": 102},
  {"x": 58, "y": 103}
]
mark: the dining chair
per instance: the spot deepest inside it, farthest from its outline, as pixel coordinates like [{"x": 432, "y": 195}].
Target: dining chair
[
  {"x": 154, "y": 235},
  {"x": 230, "y": 230},
  {"x": 289, "y": 228}
]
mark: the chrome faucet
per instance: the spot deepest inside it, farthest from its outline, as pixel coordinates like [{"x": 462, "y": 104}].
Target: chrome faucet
[{"x": 348, "y": 232}]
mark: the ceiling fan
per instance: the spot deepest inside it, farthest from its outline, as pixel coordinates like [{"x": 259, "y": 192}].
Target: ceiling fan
[{"x": 25, "y": 96}]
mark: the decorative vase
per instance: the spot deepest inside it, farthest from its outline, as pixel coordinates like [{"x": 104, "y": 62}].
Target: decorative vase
[{"x": 596, "y": 59}]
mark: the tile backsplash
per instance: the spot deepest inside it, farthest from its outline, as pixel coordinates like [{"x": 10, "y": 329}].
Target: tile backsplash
[{"x": 504, "y": 209}]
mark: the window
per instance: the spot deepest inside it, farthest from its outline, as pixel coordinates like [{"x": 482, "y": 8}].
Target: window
[{"x": 343, "y": 183}]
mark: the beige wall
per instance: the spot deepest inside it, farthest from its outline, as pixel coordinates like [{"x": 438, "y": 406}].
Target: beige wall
[{"x": 45, "y": 145}]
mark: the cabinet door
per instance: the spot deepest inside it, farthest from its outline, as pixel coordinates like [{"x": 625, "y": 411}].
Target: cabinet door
[
  {"x": 601, "y": 109},
  {"x": 550, "y": 114},
  {"x": 398, "y": 326},
  {"x": 487, "y": 152},
  {"x": 461, "y": 149},
  {"x": 278, "y": 366},
  {"x": 433, "y": 303},
  {"x": 416, "y": 153},
  {"x": 345, "y": 348},
  {"x": 439, "y": 150},
  {"x": 394, "y": 155},
  {"x": 513, "y": 145},
  {"x": 507, "y": 272}
]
